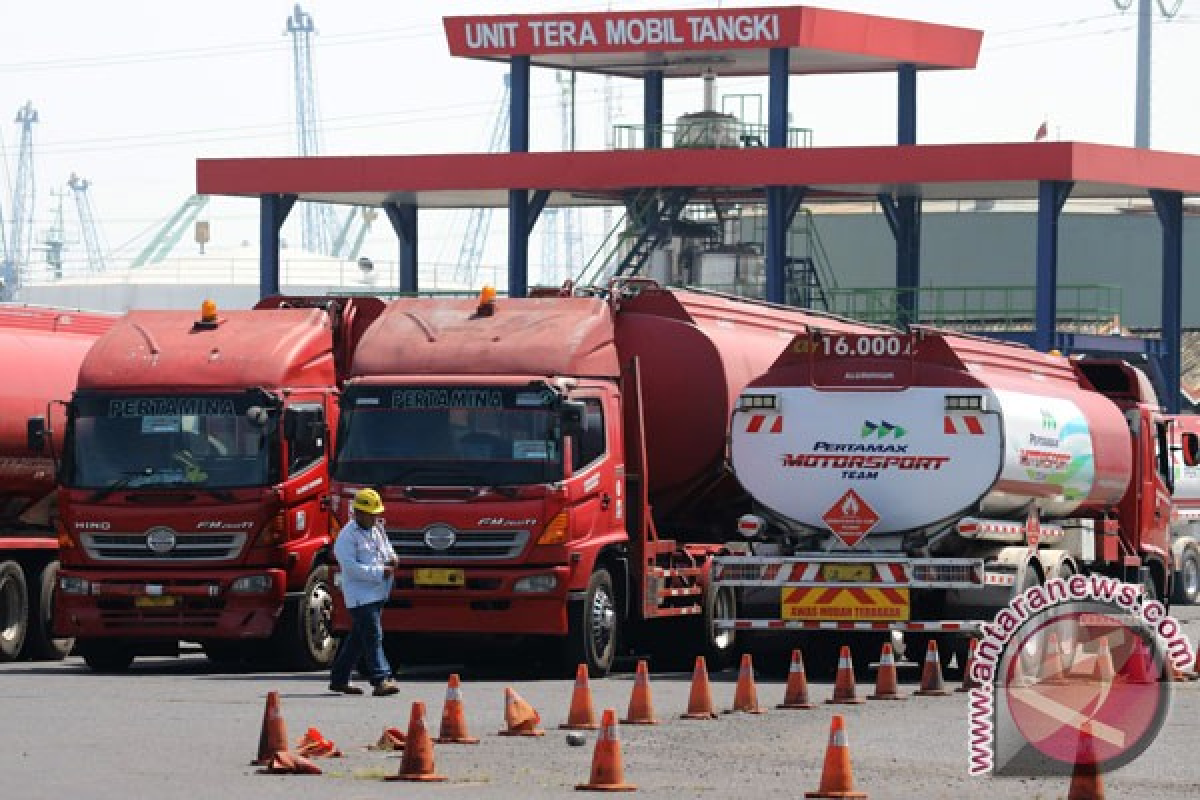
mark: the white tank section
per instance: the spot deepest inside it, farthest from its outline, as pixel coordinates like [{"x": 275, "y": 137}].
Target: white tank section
[{"x": 914, "y": 458}]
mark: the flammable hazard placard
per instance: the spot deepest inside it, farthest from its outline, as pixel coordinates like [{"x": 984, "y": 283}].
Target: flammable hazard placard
[{"x": 834, "y": 604}]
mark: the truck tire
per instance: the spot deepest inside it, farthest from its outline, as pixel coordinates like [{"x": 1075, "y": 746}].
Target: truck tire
[
  {"x": 40, "y": 641},
  {"x": 593, "y": 626},
  {"x": 106, "y": 655},
  {"x": 14, "y": 610},
  {"x": 306, "y": 627},
  {"x": 1187, "y": 579},
  {"x": 720, "y": 646}
]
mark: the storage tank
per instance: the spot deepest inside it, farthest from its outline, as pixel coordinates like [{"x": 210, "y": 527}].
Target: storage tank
[{"x": 911, "y": 432}]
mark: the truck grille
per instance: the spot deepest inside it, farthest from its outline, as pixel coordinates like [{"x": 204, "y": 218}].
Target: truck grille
[
  {"x": 188, "y": 547},
  {"x": 468, "y": 544}
]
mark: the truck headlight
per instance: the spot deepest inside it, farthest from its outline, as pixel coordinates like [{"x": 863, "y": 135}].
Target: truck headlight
[
  {"x": 69, "y": 584},
  {"x": 251, "y": 584},
  {"x": 536, "y": 583}
]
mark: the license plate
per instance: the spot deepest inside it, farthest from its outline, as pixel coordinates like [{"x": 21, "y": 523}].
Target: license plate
[
  {"x": 439, "y": 577},
  {"x": 157, "y": 601},
  {"x": 847, "y": 573},
  {"x": 826, "y": 604}
]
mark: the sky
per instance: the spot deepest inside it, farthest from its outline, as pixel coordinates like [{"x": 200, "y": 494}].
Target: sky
[{"x": 129, "y": 94}]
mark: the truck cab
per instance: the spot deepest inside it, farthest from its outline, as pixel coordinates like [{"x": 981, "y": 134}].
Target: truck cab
[{"x": 195, "y": 465}]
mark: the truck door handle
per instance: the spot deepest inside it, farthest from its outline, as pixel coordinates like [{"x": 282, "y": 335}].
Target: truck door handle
[{"x": 605, "y": 500}]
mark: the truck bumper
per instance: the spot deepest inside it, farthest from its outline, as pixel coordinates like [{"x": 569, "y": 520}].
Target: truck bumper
[
  {"x": 488, "y": 602},
  {"x": 179, "y": 605}
]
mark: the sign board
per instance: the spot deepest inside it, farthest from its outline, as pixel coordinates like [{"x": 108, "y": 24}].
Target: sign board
[
  {"x": 835, "y": 604},
  {"x": 850, "y": 518}
]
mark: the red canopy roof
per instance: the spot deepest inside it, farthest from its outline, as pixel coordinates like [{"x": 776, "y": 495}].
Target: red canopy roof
[{"x": 958, "y": 171}]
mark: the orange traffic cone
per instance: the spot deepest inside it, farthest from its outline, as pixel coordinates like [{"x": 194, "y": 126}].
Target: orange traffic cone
[
  {"x": 284, "y": 763},
  {"x": 796, "y": 693},
  {"x": 313, "y": 744},
  {"x": 1139, "y": 666},
  {"x": 837, "y": 777},
  {"x": 273, "y": 738},
  {"x": 454, "y": 723},
  {"x": 608, "y": 775},
  {"x": 1104, "y": 671},
  {"x": 886, "y": 687},
  {"x": 844, "y": 690},
  {"x": 417, "y": 762},
  {"x": 1086, "y": 783},
  {"x": 968, "y": 681},
  {"x": 745, "y": 694},
  {"x": 520, "y": 718},
  {"x": 700, "y": 702},
  {"x": 931, "y": 675},
  {"x": 581, "y": 717},
  {"x": 1051, "y": 671},
  {"x": 390, "y": 739},
  {"x": 641, "y": 706}
]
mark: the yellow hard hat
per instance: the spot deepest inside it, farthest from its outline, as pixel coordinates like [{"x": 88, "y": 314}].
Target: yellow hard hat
[{"x": 368, "y": 501}]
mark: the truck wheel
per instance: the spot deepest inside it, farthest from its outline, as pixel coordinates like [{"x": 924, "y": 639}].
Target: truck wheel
[
  {"x": 592, "y": 627},
  {"x": 14, "y": 610},
  {"x": 720, "y": 646},
  {"x": 1187, "y": 580},
  {"x": 106, "y": 655},
  {"x": 307, "y": 625},
  {"x": 40, "y": 642}
]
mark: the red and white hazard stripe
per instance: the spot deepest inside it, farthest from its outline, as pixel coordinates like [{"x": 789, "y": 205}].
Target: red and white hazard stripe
[
  {"x": 758, "y": 423},
  {"x": 1003, "y": 530},
  {"x": 815, "y": 625},
  {"x": 966, "y": 424}
]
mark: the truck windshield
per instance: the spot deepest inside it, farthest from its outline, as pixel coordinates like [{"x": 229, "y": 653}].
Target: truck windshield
[
  {"x": 203, "y": 441},
  {"x": 452, "y": 436}
]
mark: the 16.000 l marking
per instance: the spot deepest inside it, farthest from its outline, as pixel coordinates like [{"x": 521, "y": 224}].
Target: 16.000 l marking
[{"x": 866, "y": 346}]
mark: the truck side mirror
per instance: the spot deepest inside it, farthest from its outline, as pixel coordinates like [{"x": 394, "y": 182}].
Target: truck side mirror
[
  {"x": 35, "y": 434},
  {"x": 1191, "y": 450},
  {"x": 573, "y": 414}
]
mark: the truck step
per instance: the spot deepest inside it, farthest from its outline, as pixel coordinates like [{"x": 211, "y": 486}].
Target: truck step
[{"x": 688, "y": 591}]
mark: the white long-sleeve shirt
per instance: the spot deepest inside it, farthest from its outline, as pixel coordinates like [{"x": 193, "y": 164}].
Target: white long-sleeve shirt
[{"x": 362, "y": 555}]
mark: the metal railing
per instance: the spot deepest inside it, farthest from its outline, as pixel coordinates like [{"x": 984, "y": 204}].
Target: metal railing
[
  {"x": 1085, "y": 308},
  {"x": 716, "y": 134}
]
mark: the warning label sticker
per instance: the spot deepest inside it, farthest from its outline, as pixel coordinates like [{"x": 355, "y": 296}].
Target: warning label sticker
[{"x": 850, "y": 518}]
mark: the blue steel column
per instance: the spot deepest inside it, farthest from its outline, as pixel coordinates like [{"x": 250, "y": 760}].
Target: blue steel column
[
  {"x": 1051, "y": 197},
  {"x": 908, "y": 207},
  {"x": 518, "y": 198},
  {"x": 777, "y": 222},
  {"x": 652, "y": 108},
  {"x": 273, "y": 210},
  {"x": 1169, "y": 206},
  {"x": 403, "y": 217}
]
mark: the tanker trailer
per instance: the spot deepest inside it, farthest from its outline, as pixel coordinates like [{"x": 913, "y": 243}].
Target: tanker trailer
[
  {"x": 919, "y": 481},
  {"x": 41, "y": 349},
  {"x": 553, "y": 467}
]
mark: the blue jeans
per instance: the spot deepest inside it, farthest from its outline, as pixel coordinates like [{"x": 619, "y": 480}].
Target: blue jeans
[{"x": 365, "y": 640}]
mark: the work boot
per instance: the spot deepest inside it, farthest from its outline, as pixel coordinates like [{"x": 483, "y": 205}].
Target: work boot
[
  {"x": 385, "y": 687},
  {"x": 344, "y": 688}
]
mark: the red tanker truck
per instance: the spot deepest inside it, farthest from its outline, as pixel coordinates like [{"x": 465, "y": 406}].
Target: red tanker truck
[
  {"x": 554, "y": 466},
  {"x": 194, "y": 470},
  {"x": 920, "y": 480},
  {"x": 41, "y": 349},
  {"x": 1185, "y": 514}
]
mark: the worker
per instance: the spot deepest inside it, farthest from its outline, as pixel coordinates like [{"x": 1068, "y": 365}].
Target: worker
[{"x": 368, "y": 565}]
